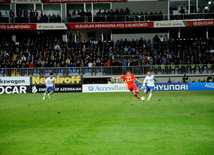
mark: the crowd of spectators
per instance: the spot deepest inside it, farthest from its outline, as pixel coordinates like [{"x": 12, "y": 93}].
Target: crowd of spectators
[
  {"x": 200, "y": 10},
  {"x": 80, "y": 16},
  {"x": 53, "y": 52},
  {"x": 185, "y": 79},
  {"x": 25, "y": 16},
  {"x": 33, "y": 16}
]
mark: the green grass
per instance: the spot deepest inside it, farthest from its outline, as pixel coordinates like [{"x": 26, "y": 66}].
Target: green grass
[{"x": 107, "y": 123}]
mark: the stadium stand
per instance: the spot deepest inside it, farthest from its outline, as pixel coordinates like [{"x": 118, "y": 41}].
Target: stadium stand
[{"x": 161, "y": 55}]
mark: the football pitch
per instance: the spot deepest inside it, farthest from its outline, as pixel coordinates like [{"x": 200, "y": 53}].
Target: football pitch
[{"x": 107, "y": 124}]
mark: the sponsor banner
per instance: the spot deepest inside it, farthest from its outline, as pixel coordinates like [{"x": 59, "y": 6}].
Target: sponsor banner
[
  {"x": 63, "y": 80},
  {"x": 116, "y": 25},
  {"x": 51, "y": 26},
  {"x": 82, "y": 1},
  {"x": 167, "y": 86},
  {"x": 104, "y": 88},
  {"x": 164, "y": 24},
  {"x": 17, "y": 26},
  {"x": 5, "y": 1},
  {"x": 59, "y": 88},
  {"x": 202, "y": 86},
  {"x": 15, "y": 89},
  {"x": 196, "y": 23},
  {"x": 14, "y": 81},
  {"x": 26, "y": 1}
]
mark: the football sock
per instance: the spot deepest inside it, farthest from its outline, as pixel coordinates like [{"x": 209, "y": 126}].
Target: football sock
[
  {"x": 137, "y": 96},
  {"x": 50, "y": 93},
  {"x": 150, "y": 95},
  {"x": 44, "y": 94}
]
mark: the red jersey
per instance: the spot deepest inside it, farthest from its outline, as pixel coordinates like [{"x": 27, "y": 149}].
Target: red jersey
[
  {"x": 108, "y": 64},
  {"x": 129, "y": 78}
]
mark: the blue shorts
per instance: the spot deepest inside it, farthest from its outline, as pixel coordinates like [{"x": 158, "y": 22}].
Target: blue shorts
[
  {"x": 49, "y": 89},
  {"x": 148, "y": 88}
]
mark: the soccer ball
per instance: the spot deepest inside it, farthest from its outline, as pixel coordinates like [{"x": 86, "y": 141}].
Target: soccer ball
[{"x": 143, "y": 98}]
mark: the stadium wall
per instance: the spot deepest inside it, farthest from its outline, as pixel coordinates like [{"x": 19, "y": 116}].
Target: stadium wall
[
  {"x": 92, "y": 88},
  {"x": 23, "y": 85},
  {"x": 20, "y": 85},
  {"x": 175, "y": 78}
]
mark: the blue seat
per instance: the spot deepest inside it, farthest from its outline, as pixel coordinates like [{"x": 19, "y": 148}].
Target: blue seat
[
  {"x": 46, "y": 71},
  {"x": 74, "y": 71},
  {"x": 50, "y": 71},
  {"x": 61, "y": 70},
  {"x": 205, "y": 68},
  {"x": 35, "y": 72},
  {"x": 1, "y": 72},
  {"x": 71, "y": 71}
]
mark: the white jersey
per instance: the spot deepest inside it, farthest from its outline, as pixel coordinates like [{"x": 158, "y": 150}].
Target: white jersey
[
  {"x": 50, "y": 82},
  {"x": 150, "y": 81}
]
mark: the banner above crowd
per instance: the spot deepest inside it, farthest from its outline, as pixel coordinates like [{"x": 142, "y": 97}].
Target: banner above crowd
[
  {"x": 18, "y": 26},
  {"x": 115, "y": 25},
  {"x": 108, "y": 25}
]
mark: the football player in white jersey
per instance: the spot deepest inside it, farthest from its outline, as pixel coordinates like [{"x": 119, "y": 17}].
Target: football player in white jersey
[
  {"x": 150, "y": 84},
  {"x": 50, "y": 85}
]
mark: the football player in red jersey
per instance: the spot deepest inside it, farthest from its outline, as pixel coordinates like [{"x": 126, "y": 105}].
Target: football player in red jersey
[{"x": 130, "y": 82}]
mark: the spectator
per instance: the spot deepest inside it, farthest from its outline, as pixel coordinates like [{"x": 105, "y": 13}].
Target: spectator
[
  {"x": 71, "y": 64},
  {"x": 5, "y": 15},
  {"x": 58, "y": 18},
  {"x": 156, "y": 38},
  {"x": 165, "y": 39},
  {"x": 170, "y": 11},
  {"x": 11, "y": 14},
  {"x": 185, "y": 78},
  {"x": 19, "y": 12},
  {"x": 108, "y": 63},
  {"x": 35, "y": 14},
  {"x": 42, "y": 13},
  {"x": 25, "y": 13},
  {"x": 124, "y": 64},
  {"x": 182, "y": 11},
  {"x": 161, "y": 38},
  {"x": 31, "y": 65},
  {"x": 169, "y": 81},
  {"x": 209, "y": 78},
  {"x": 90, "y": 64},
  {"x": 31, "y": 13},
  {"x": 56, "y": 47}
]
